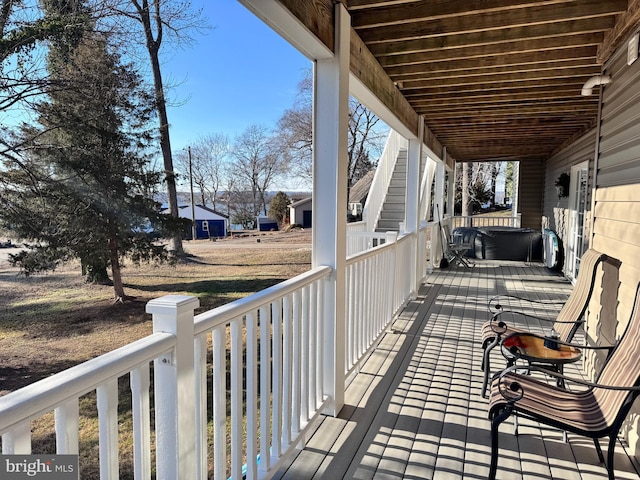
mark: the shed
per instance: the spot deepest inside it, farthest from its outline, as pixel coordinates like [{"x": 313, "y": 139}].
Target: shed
[
  {"x": 300, "y": 212},
  {"x": 266, "y": 224},
  {"x": 209, "y": 223}
]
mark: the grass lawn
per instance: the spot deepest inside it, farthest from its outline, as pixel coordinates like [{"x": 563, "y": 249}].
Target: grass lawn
[{"x": 51, "y": 322}]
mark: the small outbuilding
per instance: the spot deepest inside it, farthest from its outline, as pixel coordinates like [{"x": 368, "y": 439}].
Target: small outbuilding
[
  {"x": 209, "y": 223},
  {"x": 300, "y": 212},
  {"x": 266, "y": 224}
]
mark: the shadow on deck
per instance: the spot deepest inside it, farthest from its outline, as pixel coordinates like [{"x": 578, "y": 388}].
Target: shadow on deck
[{"x": 414, "y": 411}]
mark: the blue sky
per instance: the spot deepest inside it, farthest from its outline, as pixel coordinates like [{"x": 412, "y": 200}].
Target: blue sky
[{"x": 239, "y": 73}]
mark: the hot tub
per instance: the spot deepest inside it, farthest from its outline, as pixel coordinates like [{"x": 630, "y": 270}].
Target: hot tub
[{"x": 502, "y": 243}]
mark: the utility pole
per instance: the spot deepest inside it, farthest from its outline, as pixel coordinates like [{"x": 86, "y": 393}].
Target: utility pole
[{"x": 193, "y": 207}]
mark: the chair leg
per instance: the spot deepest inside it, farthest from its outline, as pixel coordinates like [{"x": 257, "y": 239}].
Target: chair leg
[
  {"x": 486, "y": 364},
  {"x": 596, "y": 442},
  {"x": 610, "y": 455},
  {"x": 496, "y": 420}
]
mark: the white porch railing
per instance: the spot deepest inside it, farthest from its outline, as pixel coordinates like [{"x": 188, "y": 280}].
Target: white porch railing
[
  {"x": 265, "y": 369},
  {"x": 270, "y": 346},
  {"x": 359, "y": 241},
  {"x": 485, "y": 221}
]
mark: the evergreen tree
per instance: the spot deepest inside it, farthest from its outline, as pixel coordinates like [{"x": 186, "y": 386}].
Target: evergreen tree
[
  {"x": 81, "y": 185},
  {"x": 279, "y": 208}
]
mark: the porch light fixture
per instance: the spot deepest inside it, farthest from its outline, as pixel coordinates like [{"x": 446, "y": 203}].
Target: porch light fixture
[
  {"x": 587, "y": 88},
  {"x": 562, "y": 185}
]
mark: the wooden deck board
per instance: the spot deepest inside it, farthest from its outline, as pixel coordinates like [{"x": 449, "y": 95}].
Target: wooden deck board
[{"x": 414, "y": 410}]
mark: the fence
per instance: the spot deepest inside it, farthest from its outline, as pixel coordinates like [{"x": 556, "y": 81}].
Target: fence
[
  {"x": 261, "y": 360},
  {"x": 485, "y": 221}
]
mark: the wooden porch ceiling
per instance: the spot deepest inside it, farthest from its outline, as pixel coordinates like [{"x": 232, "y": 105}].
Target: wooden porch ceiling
[{"x": 495, "y": 79}]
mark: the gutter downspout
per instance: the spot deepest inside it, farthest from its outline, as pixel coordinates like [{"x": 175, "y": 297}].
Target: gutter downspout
[{"x": 596, "y": 157}]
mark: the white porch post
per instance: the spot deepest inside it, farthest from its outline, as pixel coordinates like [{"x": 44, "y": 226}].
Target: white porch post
[
  {"x": 515, "y": 194},
  {"x": 175, "y": 389},
  {"x": 412, "y": 199},
  {"x": 329, "y": 237},
  {"x": 451, "y": 193},
  {"x": 438, "y": 207},
  {"x": 439, "y": 186}
]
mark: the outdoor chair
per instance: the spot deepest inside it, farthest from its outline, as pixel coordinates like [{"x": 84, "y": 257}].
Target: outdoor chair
[
  {"x": 595, "y": 412},
  {"x": 456, "y": 249},
  {"x": 566, "y": 323}
]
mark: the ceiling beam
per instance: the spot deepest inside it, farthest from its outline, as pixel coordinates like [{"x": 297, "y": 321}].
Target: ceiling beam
[
  {"x": 493, "y": 20},
  {"x": 551, "y": 44},
  {"x": 488, "y": 37},
  {"x": 437, "y": 9},
  {"x": 572, "y": 58}
]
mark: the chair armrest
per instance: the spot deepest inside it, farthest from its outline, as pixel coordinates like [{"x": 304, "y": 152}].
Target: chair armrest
[
  {"x": 499, "y": 307},
  {"x": 516, "y": 353},
  {"x": 516, "y": 390},
  {"x": 499, "y": 327}
]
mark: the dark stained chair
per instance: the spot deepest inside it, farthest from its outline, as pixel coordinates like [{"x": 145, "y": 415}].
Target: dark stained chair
[
  {"x": 565, "y": 325},
  {"x": 595, "y": 412},
  {"x": 456, "y": 250}
]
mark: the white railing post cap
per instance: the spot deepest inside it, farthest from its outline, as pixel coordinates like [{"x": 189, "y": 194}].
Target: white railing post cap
[{"x": 172, "y": 302}]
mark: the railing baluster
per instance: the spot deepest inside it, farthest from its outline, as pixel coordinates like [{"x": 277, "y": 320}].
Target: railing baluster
[
  {"x": 237, "y": 417},
  {"x": 252, "y": 394},
  {"x": 140, "y": 409},
  {"x": 321, "y": 341},
  {"x": 276, "y": 422},
  {"x": 18, "y": 440},
  {"x": 200, "y": 376},
  {"x": 304, "y": 354},
  {"x": 296, "y": 374},
  {"x": 219, "y": 401},
  {"x": 313, "y": 345},
  {"x": 287, "y": 361},
  {"x": 265, "y": 388},
  {"x": 66, "y": 424},
  {"x": 108, "y": 429}
]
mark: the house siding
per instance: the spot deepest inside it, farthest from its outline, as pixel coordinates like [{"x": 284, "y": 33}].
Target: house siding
[
  {"x": 616, "y": 225},
  {"x": 616, "y": 215},
  {"x": 556, "y": 210}
]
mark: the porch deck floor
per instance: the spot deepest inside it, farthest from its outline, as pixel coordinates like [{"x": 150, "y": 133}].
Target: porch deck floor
[{"x": 415, "y": 410}]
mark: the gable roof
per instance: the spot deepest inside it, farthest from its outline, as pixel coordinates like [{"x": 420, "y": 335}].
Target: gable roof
[
  {"x": 360, "y": 190},
  {"x": 201, "y": 212},
  {"x": 301, "y": 202}
]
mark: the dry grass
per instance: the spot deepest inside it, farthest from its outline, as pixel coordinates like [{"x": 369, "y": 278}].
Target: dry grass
[{"x": 51, "y": 322}]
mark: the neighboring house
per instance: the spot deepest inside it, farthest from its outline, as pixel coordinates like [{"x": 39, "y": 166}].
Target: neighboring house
[
  {"x": 359, "y": 193},
  {"x": 266, "y": 224},
  {"x": 300, "y": 212},
  {"x": 209, "y": 223}
]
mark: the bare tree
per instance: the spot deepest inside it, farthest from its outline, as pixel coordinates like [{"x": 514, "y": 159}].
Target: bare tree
[
  {"x": 258, "y": 163},
  {"x": 466, "y": 181},
  {"x": 296, "y": 129},
  {"x": 179, "y": 20},
  {"x": 208, "y": 155},
  {"x": 365, "y": 135},
  {"x": 476, "y": 182},
  {"x": 229, "y": 186},
  {"x": 495, "y": 169}
]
